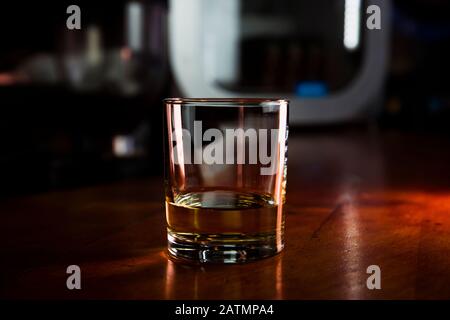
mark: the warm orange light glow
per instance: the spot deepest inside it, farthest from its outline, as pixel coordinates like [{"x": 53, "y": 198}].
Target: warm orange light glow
[
  {"x": 125, "y": 54},
  {"x": 7, "y": 79}
]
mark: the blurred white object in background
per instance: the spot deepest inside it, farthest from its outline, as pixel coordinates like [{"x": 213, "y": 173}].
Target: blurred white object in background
[{"x": 204, "y": 37}]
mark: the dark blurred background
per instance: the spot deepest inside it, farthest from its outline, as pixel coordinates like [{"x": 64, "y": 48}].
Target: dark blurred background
[{"x": 83, "y": 107}]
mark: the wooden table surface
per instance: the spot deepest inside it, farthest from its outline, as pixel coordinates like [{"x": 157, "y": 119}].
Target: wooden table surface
[{"x": 355, "y": 198}]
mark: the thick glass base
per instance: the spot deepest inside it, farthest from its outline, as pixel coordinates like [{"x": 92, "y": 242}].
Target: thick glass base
[{"x": 223, "y": 248}]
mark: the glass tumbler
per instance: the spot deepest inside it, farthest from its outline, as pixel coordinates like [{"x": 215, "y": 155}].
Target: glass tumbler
[{"x": 225, "y": 178}]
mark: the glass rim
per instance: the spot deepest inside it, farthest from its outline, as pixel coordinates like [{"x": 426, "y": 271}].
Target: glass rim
[{"x": 230, "y": 101}]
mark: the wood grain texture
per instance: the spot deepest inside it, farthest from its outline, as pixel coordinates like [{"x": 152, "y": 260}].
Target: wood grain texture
[{"x": 355, "y": 198}]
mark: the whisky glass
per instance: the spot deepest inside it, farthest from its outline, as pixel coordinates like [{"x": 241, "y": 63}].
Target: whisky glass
[{"x": 225, "y": 178}]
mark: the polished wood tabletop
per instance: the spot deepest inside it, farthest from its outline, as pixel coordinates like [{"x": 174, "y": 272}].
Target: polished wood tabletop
[{"x": 356, "y": 198}]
